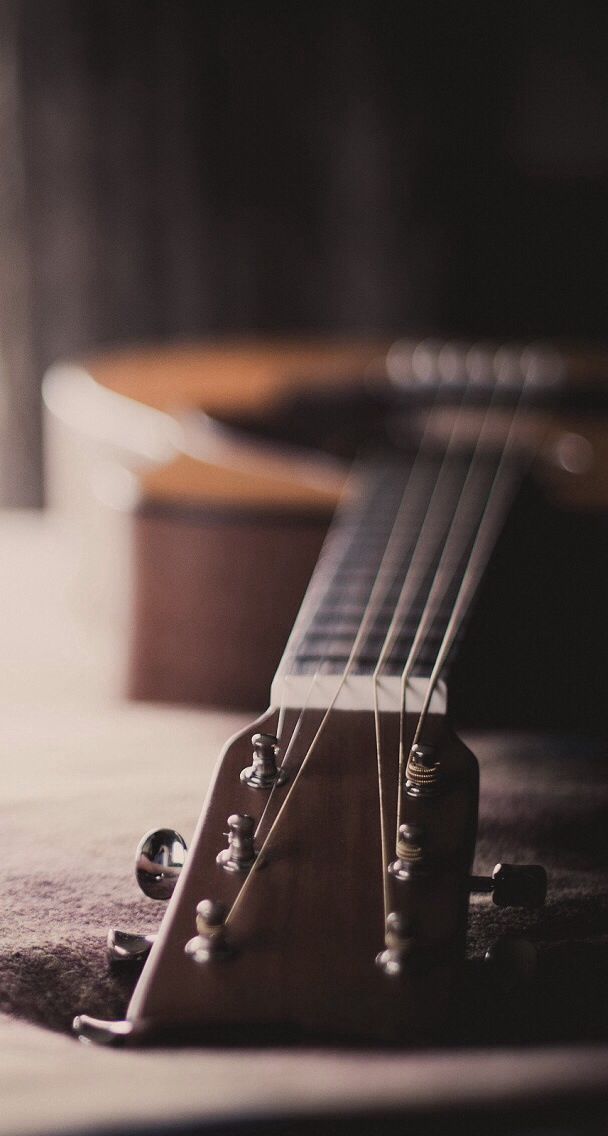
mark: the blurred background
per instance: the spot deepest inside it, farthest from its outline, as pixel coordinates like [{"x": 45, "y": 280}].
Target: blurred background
[{"x": 173, "y": 168}]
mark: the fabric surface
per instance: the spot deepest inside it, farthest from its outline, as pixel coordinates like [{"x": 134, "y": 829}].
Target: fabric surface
[{"x": 84, "y": 775}]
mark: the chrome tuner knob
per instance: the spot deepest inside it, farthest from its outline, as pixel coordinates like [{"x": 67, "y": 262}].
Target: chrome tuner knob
[
  {"x": 159, "y": 860},
  {"x": 513, "y": 885},
  {"x": 126, "y": 947},
  {"x": 422, "y": 772},
  {"x": 95, "y": 1031},
  {"x": 240, "y": 853},
  {"x": 210, "y": 943},
  {"x": 263, "y": 772},
  {"x": 399, "y": 943},
  {"x": 410, "y": 851}
]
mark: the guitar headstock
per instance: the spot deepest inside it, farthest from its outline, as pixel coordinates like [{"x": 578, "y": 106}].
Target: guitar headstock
[{"x": 315, "y": 935}]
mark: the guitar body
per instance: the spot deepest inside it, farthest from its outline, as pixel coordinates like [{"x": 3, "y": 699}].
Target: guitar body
[
  {"x": 217, "y": 519},
  {"x": 216, "y": 593},
  {"x": 221, "y": 539}
]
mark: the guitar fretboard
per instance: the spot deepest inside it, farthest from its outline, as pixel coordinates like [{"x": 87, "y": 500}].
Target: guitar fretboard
[{"x": 385, "y": 586}]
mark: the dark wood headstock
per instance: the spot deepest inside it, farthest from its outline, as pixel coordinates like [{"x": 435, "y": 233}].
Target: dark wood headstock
[{"x": 305, "y": 927}]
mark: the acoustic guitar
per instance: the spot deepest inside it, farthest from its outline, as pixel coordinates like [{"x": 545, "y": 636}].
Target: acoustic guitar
[
  {"x": 448, "y": 501},
  {"x": 325, "y": 894}
]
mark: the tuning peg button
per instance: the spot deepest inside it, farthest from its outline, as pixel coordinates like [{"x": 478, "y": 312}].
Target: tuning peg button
[
  {"x": 263, "y": 772},
  {"x": 422, "y": 772},
  {"x": 514, "y": 885},
  {"x": 410, "y": 853},
  {"x": 523, "y": 885},
  {"x": 127, "y": 947},
  {"x": 240, "y": 853},
  {"x": 399, "y": 944},
  {"x": 159, "y": 859},
  {"x": 210, "y": 942},
  {"x": 95, "y": 1031}
]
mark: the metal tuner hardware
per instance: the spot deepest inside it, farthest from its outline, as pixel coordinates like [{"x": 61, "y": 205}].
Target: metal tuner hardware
[
  {"x": 210, "y": 943},
  {"x": 240, "y": 854},
  {"x": 399, "y": 944},
  {"x": 263, "y": 773},
  {"x": 513, "y": 885},
  {"x": 422, "y": 772},
  {"x": 128, "y": 947},
  {"x": 159, "y": 859},
  {"x": 96, "y": 1031},
  {"x": 411, "y": 860}
]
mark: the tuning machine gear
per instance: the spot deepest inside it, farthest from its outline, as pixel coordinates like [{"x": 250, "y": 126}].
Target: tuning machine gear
[
  {"x": 240, "y": 854},
  {"x": 399, "y": 945},
  {"x": 263, "y": 773}
]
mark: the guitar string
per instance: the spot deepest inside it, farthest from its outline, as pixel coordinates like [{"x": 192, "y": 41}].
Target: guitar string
[
  {"x": 368, "y": 617},
  {"x": 374, "y": 602},
  {"x": 317, "y": 583},
  {"x": 298, "y": 635},
  {"x": 342, "y": 678},
  {"x": 358, "y": 639},
  {"x": 441, "y": 580},
  {"x": 425, "y": 550},
  {"x": 500, "y": 496},
  {"x": 376, "y": 592}
]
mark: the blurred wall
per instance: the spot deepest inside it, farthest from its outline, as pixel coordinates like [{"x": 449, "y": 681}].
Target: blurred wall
[{"x": 171, "y": 167}]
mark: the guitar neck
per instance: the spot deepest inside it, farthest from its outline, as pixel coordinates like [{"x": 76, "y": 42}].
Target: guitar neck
[{"x": 382, "y": 601}]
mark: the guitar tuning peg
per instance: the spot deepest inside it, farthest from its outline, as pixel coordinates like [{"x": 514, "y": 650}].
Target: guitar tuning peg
[
  {"x": 263, "y": 773},
  {"x": 240, "y": 854},
  {"x": 159, "y": 859},
  {"x": 399, "y": 944},
  {"x": 423, "y": 772},
  {"x": 513, "y": 885},
  {"x": 410, "y": 853},
  {"x": 210, "y": 943},
  {"x": 125, "y": 947},
  {"x": 95, "y": 1031}
]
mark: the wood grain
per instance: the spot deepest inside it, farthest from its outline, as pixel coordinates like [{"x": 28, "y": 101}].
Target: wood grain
[
  {"x": 215, "y": 598},
  {"x": 311, "y": 919}
]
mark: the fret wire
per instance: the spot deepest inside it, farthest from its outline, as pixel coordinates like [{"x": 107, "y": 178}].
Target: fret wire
[
  {"x": 333, "y": 603},
  {"x": 338, "y": 610}
]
